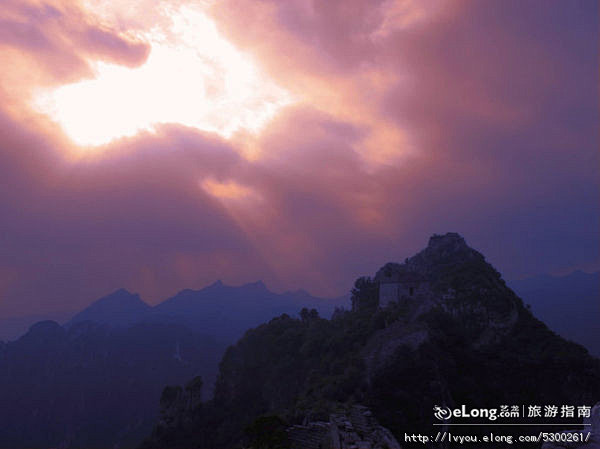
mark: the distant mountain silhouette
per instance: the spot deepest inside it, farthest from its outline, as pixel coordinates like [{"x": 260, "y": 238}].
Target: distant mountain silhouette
[
  {"x": 120, "y": 308},
  {"x": 569, "y": 305},
  {"x": 13, "y": 327},
  {"x": 96, "y": 381},
  {"x": 220, "y": 310},
  {"x": 225, "y": 312}
]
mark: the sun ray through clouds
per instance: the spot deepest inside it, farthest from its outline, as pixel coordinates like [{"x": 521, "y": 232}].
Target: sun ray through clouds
[{"x": 192, "y": 76}]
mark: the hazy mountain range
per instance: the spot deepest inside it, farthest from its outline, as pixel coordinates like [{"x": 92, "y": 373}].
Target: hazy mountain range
[
  {"x": 224, "y": 312},
  {"x": 96, "y": 380},
  {"x": 568, "y": 304}
]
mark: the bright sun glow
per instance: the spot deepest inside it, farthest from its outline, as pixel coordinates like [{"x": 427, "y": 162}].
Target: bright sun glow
[{"x": 193, "y": 77}]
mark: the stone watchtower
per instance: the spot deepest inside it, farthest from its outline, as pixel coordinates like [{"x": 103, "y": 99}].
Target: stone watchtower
[{"x": 397, "y": 283}]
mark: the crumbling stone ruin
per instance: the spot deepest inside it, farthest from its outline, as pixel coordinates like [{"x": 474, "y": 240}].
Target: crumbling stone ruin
[
  {"x": 397, "y": 283},
  {"x": 356, "y": 428}
]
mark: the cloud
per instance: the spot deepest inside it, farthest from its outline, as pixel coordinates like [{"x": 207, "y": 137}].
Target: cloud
[
  {"x": 479, "y": 116},
  {"x": 48, "y": 43},
  {"x": 138, "y": 218},
  {"x": 412, "y": 118}
]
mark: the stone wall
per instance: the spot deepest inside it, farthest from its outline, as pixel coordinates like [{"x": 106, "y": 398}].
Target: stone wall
[{"x": 355, "y": 428}]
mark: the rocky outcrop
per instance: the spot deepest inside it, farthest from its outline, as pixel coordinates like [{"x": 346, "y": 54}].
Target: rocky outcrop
[
  {"x": 591, "y": 425},
  {"x": 355, "y": 428}
]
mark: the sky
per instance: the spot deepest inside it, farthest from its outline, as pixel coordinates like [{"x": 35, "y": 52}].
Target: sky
[{"x": 161, "y": 145}]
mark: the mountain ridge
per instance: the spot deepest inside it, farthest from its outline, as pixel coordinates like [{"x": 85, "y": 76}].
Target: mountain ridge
[
  {"x": 450, "y": 332},
  {"x": 224, "y": 311},
  {"x": 120, "y": 308}
]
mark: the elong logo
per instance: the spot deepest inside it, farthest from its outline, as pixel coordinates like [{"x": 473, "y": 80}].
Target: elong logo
[{"x": 445, "y": 413}]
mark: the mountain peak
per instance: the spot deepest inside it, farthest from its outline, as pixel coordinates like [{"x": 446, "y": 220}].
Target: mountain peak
[
  {"x": 120, "y": 298},
  {"x": 218, "y": 283},
  {"x": 44, "y": 326},
  {"x": 119, "y": 294},
  {"x": 118, "y": 308},
  {"x": 443, "y": 250},
  {"x": 449, "y": 241},
  {"x": 44, "y": 331},
  {"x": 259, "y": 285}
]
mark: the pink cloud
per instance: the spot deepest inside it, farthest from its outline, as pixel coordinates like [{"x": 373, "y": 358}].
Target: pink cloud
[
  {"x": 59, "y": 38},
  {"x": 473, "y": 117}
]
